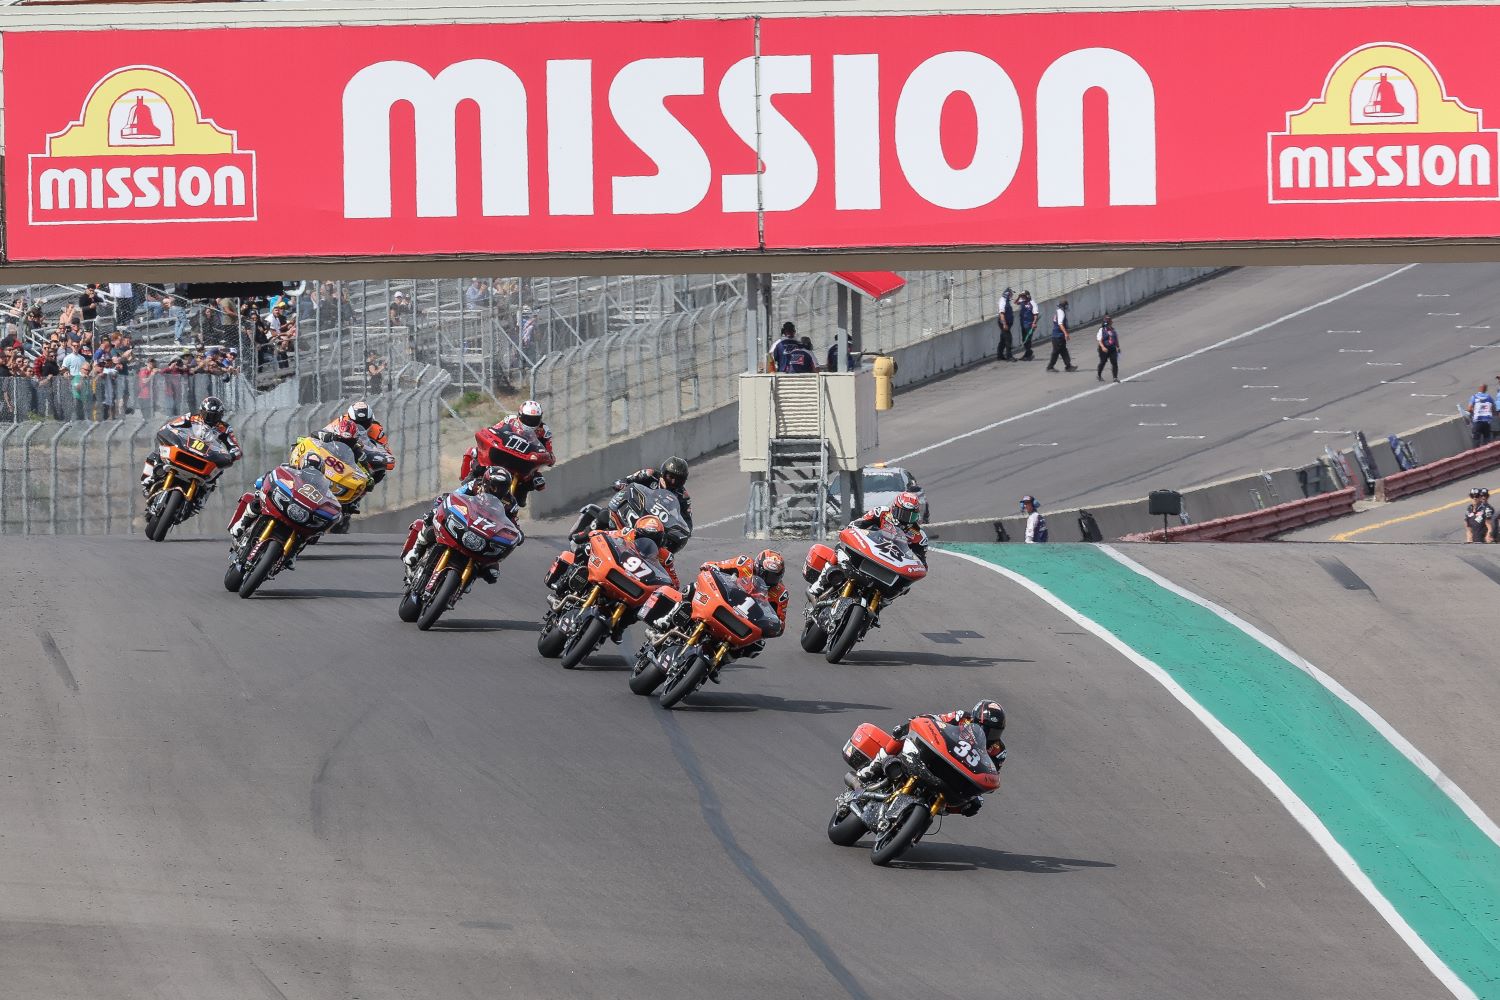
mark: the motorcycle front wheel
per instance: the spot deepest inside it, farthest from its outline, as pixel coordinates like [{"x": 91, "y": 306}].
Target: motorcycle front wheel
[
  {"x": 814, "y": 639},
  {"x": 157, "y": 529},
  {"x": 584, "y": 642},
  {"x": 847, "y": 635},
  {"x": 438, "y": 602},
  {"x": 847, "y": 831},
  {"x": 898, "y": 837},
  {"x": 685, "y": 683},
  {"x": 265, "y": 561}
]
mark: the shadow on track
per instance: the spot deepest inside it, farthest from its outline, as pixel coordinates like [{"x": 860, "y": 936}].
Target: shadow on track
[
  {"x": 307, "y": 595},
  {"x": 483, "y": 625},
  {"x": 962, "y": 858},
  {"x": 898, "y": 658},
  {"x": 714, "y": 701}
]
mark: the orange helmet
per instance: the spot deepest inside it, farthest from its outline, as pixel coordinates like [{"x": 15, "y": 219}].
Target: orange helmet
[
  {"x": 650, "y": 527},
  {"x": 770, "y": 567}
]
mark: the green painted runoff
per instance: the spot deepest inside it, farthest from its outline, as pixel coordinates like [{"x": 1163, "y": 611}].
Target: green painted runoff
[{"x": 1438, "y": 869}]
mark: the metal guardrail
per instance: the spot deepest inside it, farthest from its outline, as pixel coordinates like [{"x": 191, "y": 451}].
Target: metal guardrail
[
  {"x": 1258, "y": 525},
  {"x": 1444, "y": 470}
]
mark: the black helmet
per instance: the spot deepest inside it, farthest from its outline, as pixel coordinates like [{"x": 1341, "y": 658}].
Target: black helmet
[
  {"x": 360, "y": 413},
  {"x": 674, "y": 473},
  {"x": 496, "y": 481},
  {"x": 212, "y": 411},
  {"x": 989, "y": 716}
]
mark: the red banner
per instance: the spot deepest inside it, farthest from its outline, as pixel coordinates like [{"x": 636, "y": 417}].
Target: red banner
[{"x": 1142, "y": 128}]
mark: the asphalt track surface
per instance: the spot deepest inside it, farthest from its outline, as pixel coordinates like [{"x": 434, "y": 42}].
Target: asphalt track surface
[
  {"x": 1388, "y": 357},
  {"x": 297, "y": 796}
]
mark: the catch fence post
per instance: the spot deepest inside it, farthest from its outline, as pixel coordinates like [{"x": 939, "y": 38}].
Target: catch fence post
[{"x": 52, "y": 497}]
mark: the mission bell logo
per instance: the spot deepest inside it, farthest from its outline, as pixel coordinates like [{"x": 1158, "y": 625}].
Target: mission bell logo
[
  {"x": 141, "y": 151},
  {"x": 1384, "y": 129}
]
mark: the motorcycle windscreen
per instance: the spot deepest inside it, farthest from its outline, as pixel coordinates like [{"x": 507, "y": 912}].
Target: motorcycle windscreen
[
  {"x": 665, "y": 505},
  {"x": 956, "y": 755}
]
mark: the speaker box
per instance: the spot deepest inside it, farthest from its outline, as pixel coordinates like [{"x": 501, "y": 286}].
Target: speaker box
[{"x": 1164, "y": 502}]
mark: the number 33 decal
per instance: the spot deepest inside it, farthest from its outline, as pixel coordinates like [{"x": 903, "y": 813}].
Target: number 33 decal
[{"x": 964, "y": 751}]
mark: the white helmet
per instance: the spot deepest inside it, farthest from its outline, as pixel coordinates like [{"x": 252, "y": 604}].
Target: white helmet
[
  {"x": 531, "y": 413},
  {"x": 359, "y": 412}
]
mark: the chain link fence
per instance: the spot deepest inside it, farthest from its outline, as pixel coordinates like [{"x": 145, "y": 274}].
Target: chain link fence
[
  {"x": 83, "y": 477},
  {"x": 658, "y": 372}
]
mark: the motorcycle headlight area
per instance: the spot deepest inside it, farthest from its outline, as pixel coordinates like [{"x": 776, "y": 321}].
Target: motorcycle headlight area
[
  {"x": 473, "y": 541},
  {"x": 297, "y": 513},
  {"x": 164, "y": 451}
]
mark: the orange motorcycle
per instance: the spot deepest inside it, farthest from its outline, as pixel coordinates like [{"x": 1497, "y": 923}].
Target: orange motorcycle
[
  {"x": 729, "y": 615},
  {"x": 590, "y": 602}
]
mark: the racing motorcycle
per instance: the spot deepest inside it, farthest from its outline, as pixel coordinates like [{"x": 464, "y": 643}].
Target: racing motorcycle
[
  {"x": 936, "y": 763},
  {"x": 472, "y": 532},
  {"x": 519, "y": 452},
  {"x": 296, "y": 507},
  {"x": 728, "y": 614},
  {"x": 588, "y": 602},
  {"x": 349, "y": 479},
  {"x": 191, "y": 457},
  {"x": 636, "y": 500},
  {"x": 874, "y": 567}
]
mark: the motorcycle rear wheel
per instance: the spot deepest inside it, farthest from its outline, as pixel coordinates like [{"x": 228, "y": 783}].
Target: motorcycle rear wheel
[
  {"x": 264, "y": 563},
  {"x": 897, "y": 838},
  {"x": 438, "y": 602},
  {"x": 157, "y": 529},
  {"x": 584, "y": 642},
  {"x": 847, "y": 636},
  {"x": 847, "y": 831},
  {"x": 685, "y": 683},
  {"x": 814, "y": 639}
]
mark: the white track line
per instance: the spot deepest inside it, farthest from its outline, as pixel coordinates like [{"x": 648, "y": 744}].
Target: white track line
[
  {"x": 1155, "y": 368},
  {"x": 1289, "y": 799}
]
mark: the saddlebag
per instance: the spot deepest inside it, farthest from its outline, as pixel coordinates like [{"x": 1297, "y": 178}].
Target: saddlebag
[
  {"x": 867, "y": 741},
  {"x": 560, "y": 565},
  {"x": 818, "y": 557}
]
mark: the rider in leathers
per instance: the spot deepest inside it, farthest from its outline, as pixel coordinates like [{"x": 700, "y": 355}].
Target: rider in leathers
[
  {"x": 311, "y": 468},
  {"x": 527, "y": 418},
  {"x": 496, "y": 482},
  {"x": 988, "y": 715},
  {"x": 211, "y": 414},
  {"x": 769, "y": 567},
  {"x": 672, "y": 477},
  {"x": 649, "y": 536},
  {"x": 353, "y": 428},
  {"x": 904, "y": 515}
]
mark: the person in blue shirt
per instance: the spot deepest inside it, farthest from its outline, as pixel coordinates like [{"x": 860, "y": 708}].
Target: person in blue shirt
[
  {"x": 1481, "y": 412},
  {"x": 1028, "y": 324},
  {"x": 851, "y": 365},
  {"x": 785, "y": 346},
  {"x": 800, "y": 360}
]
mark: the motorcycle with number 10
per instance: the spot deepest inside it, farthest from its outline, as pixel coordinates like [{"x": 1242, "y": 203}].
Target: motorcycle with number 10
[{"x": 190, "y": 457}]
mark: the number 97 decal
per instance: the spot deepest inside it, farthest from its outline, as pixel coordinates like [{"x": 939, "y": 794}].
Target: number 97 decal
[{"x": 636, "y": 566}]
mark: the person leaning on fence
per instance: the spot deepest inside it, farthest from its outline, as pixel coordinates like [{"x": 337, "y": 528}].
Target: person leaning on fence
[{"x": 1481, "y": 410}]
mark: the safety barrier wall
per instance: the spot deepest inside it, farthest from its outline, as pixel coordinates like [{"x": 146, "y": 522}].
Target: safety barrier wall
[
  {"x": 1444, "y": 470},
  {"x": 922, "y": 349},
  {"x": 1258, "y": 525},
  {"x": 82, "y": 477}
]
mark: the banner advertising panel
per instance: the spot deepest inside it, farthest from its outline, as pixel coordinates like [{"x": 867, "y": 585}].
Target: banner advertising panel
[{"x": 1148, "y": 128}]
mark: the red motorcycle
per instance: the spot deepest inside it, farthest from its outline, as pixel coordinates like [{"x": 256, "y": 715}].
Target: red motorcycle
[
  {"x": 519, "y": 452},
  {"x": 472, "y": 532},
  {"x": 937, "y": 763},
  {"x": 296, "y": 507},
  {"x": 872, "y": 569}
]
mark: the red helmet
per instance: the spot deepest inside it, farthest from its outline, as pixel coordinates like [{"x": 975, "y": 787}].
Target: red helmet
[
  {"x": 650, "y": 528},
  {"x": 770, "y": 567},
  {"x": 906, "y": 510}
]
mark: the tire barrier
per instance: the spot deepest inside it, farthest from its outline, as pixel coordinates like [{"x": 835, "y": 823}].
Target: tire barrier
[
  {"x": 1260, "y": 525},
  {"x": 1444, "y": 470}
]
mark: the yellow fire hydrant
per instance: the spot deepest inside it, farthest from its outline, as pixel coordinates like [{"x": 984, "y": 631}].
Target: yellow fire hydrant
[{"x": 885, "y": 376}]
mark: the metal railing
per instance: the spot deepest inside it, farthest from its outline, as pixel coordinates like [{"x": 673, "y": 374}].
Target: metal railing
[{"x": 83, "y": 476}]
